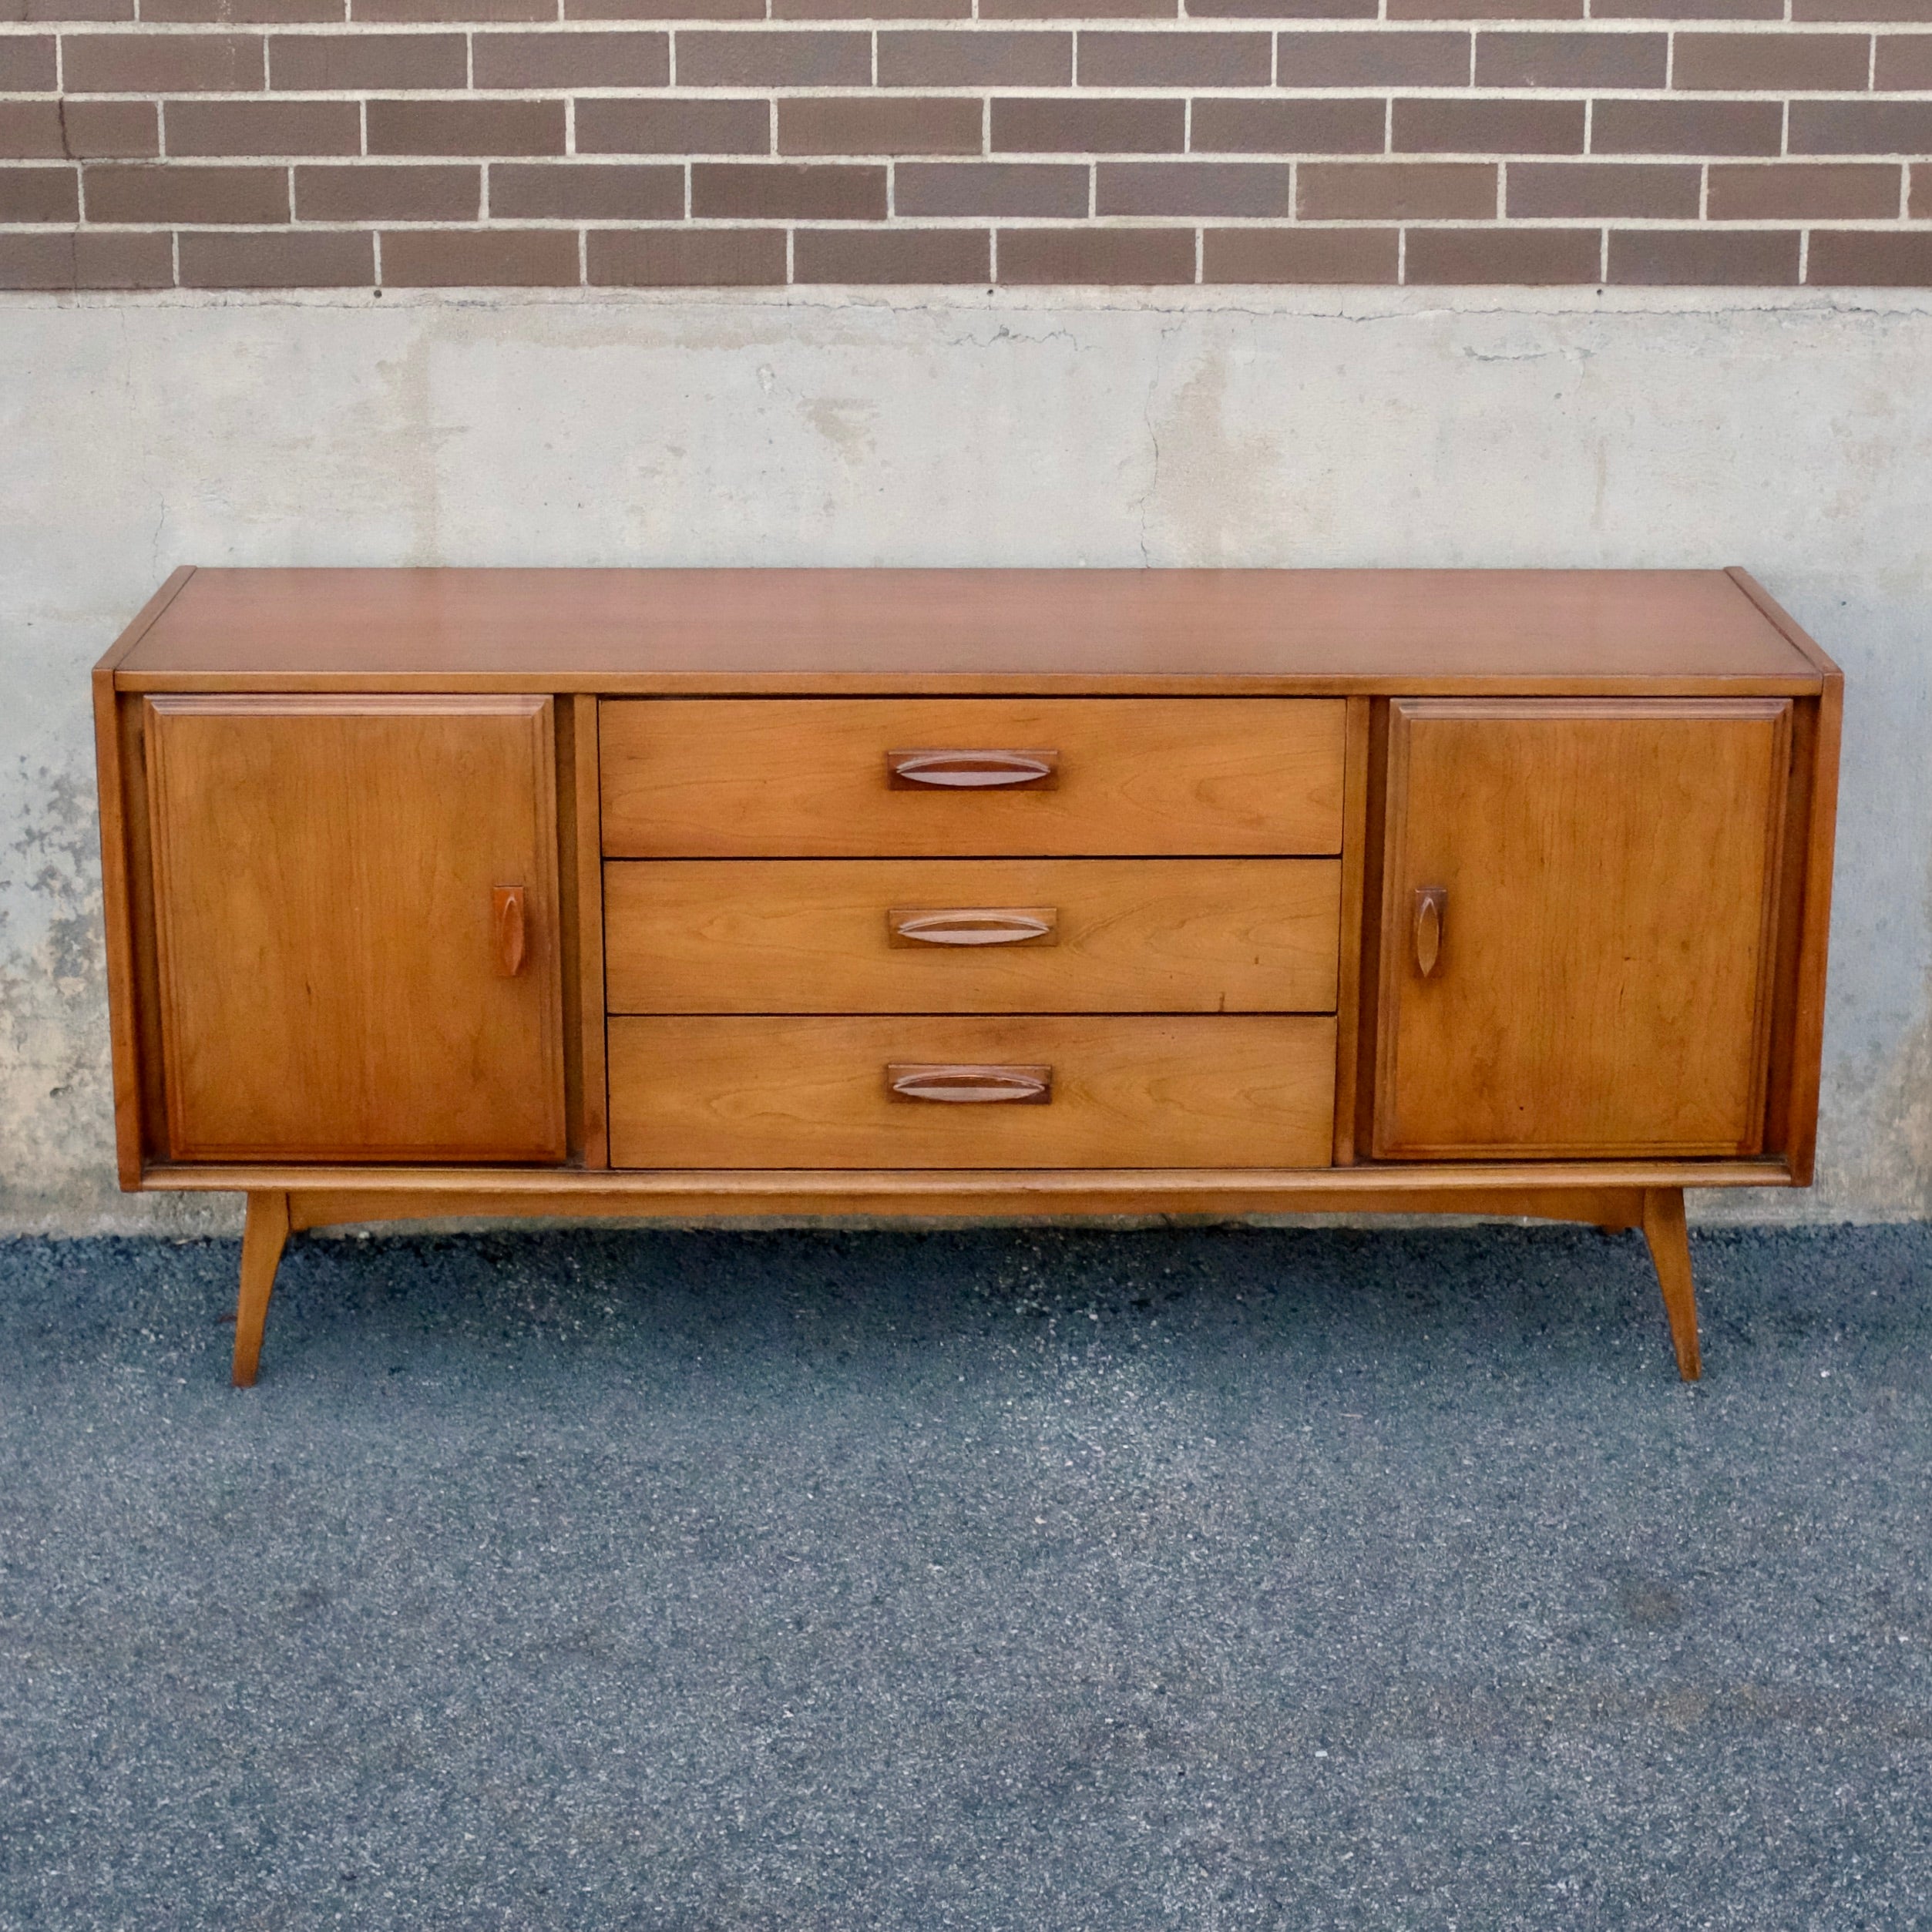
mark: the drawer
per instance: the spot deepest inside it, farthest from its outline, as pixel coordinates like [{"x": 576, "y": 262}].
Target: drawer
[
  {"x": 1047, "y": 778},
  {"x": 1187, "y": 1091},
  {"x": 1000, "y": 935}
]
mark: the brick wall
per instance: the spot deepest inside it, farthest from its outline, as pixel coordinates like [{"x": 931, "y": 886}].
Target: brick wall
[{"x": 413, "y": 143}]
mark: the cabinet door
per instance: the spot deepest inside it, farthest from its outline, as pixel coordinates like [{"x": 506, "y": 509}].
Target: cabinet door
[
  {"x": 356, "y": 919},
  {"x": 1578, "y": 916}
]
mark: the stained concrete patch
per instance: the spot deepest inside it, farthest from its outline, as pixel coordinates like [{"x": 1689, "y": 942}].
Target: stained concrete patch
[{"x": 1182, "y": 1577}]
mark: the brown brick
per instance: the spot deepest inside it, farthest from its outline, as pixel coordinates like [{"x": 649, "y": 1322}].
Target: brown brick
[
  {"x": 161, "y": 63},
  {"x": 1655, "y": 257},
  {"x": 995, "y": 59},
  {"x": 1686, "y": 127},
  {"x": 1870, "y": 260},
  {"x": 801, "y": 57},
  {"x": 1795, "y": 192},
  {"x": 1397, "y": 190},
  {"x": 674, "y": 127},
  {"x": 872, "y": 10},
  {"x": 1861, "y": 127},
  {"x": 1288, "y": 127},
  {"x": 1886, "y": 11},
  {"x": 1571, "y": 60},
  {"x": 1079, "y": 9},
  {"x": 753, "y": 190},
  {"x": 1434, "y": 126},
  {"x": 902, "y": 125},
  {"x": 264, "y": 127},
  {"x": 83, "y": 260},
  {"x": 454, "y": 13},
  {"x": 686, "y": 258},
  {"x": 64, "y": 130},
  {"x": 1921, "y": 202},
  {"x": 892, "y": 255},
  {"x": 571, "y": 60},
  {"x": 1302, "y": 255},
  {"x": 1230, "y": 189},
  {"x": 131, "y": 191},
  {"x": 1383, "y": 58},
  {"x": 1904, "y": 61},
  {"x": 1174, "y": 60},
  {"x": 989, "y": 188},
  {"x": 52, "y": 10},
  {"x": 1687, "y": 9},
  {"x": 585, "y": 190},
  {"x": 288, "y": 260},
  {"x": 1487, "y": 9},
  {"x": 366, "y": 63},
  {"x": 465, "y": 127},
  {"x": 1284, "y": 9},
  {"x": 664, "y": 9},
  {"x": 480, "y": 257},
  {"x": 1032, "y": 257},
  {"x": 382, "y": 191},
  {"x": 1526, "y": 256},
  {"x": 1048, "y": 126},
  {"x": 1815, "y": 63},
  {"x": 39, "y": 194},
  {"x": 112, "y": 130},
  {"x": 1564, "y": 191},
  {"x": 27, "y": 64},
  {"x": 242, "y": 13}
]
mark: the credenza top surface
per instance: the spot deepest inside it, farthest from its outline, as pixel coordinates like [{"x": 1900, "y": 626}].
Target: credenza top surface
[{"x": 956, "y": 630}]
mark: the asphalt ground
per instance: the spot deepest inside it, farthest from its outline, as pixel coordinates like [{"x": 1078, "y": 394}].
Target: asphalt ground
[{"x": 1185, "y": 1577}]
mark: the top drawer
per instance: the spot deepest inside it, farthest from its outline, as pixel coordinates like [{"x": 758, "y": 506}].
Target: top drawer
[{"x": 1047, "y": 778}]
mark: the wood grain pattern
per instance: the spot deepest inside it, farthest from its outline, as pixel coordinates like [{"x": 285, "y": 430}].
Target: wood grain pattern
[
  {"x": 325, "y": 871},
  {"x": 1127, "y": 1092},
  {"x": 745, "y": 778},
  {"x": 1406, "y": 631},
  {"x": 1611, "y": 870},
  {"x": 811, "y": 935},
  {"x": 584, "y": 855}
]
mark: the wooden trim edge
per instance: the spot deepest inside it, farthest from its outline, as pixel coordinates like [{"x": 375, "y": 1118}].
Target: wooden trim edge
[{"x": 1782, "y": 621}]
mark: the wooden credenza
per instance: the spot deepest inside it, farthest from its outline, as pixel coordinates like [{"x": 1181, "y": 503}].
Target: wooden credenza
[{"x": 988, "y": 893}]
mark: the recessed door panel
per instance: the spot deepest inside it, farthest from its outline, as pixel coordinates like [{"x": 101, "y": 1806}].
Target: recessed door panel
[
  {"x": 357, "y": 922},
  {"x": 1577, "y": 911}
]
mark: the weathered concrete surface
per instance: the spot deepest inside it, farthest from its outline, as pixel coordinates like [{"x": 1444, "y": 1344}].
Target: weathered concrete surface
[{"x": 1792, "y": 434}]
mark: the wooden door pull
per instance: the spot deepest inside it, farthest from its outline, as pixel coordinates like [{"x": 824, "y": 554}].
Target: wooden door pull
[
  {"x": 1431, "y": 902},
  {"x": 974, "y": 925},
  {"x": 1017, "y": 1086},
  {"x": 973, "y": 770},
  {"x": 507, "y": 926}
]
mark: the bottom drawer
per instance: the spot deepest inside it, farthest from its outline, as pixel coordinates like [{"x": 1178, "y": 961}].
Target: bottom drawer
[{"x": 1074, "y": 1091}]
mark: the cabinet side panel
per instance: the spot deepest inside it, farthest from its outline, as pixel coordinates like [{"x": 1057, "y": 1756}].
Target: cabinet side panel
[
  {"x": 1800, "y": 1119},
  {"x": 117, "y": 927}
]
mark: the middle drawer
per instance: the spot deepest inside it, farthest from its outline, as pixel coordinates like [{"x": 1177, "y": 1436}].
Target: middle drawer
[{"x": 972, "y": 935}]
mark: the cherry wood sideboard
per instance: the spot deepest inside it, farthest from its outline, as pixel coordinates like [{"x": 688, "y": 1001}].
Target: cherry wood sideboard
[{"x": 1002, "y": 893}]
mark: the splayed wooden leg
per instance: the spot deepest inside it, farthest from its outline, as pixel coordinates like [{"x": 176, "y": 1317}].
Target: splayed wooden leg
[
  {"x": 1670, "y": 1251},
  {"x": 262, "y": 1235}
]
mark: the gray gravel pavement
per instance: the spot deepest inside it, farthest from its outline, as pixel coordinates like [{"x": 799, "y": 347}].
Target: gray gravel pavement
[{"x": 1181, "y": 1578}]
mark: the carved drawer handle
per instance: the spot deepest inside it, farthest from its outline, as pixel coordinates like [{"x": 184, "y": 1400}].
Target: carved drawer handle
[
  {"x": 507, "y": 926},
  {"x": 1017, "y": 1086},
  {"x": 974, "y": 925},
  {"x": 1432, "y": 902},
  {"x": 972, "y": 770}
]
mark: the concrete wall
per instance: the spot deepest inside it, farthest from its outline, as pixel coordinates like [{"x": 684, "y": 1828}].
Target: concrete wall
[{"x": 1792, "y": 434}]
